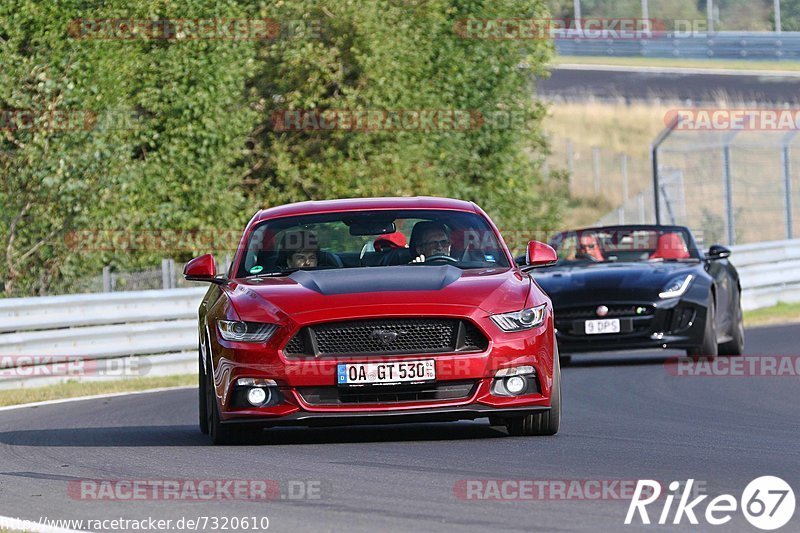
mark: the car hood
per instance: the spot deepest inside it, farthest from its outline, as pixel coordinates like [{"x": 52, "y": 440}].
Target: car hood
[
  {"x": 490, "y": 289},
  {"x": 609, "y": 281}
]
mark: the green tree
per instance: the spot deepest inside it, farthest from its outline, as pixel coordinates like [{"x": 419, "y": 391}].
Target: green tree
[
  {"x": 166, "y": 146},
  {"x": 393, "y": 55},
  {"x": 179, "y": 137}
]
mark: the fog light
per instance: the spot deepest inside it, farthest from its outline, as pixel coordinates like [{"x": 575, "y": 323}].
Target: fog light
[
  {"x": 257, "y": 396},
  {"x": 515, "y": 384}
]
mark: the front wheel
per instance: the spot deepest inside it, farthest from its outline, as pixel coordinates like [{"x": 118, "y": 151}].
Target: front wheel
[
  {"x": 546, "y": 423},
  {"x": 736, "y": 345},
  {"x": 202, "y": 393},
  {"x": 220, "y": 434},
  {"x": 709, "y": 346}
]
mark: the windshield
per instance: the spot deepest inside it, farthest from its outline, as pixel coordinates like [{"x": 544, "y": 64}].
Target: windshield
[
  {"x": 371, "y": 239},
  {"x": 624, "y": 244}
]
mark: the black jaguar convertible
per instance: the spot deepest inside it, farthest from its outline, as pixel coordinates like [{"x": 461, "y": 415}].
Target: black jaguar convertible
[{"x": 640, "y": 287}]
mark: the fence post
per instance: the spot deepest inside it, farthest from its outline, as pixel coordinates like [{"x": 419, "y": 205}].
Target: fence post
[
  {"x": 106, "y": 279},
  {"x": 165, "y": 277},
  {"x": 624, "y": 169},
  {"x": 786, "y": 160},
  {"x": 570, "y": 164},
  {"x": 173, "y": 278},
  {"x": 728, "y": 193},
  {"x": 596, "y": 168},
  {"x": 640, "y": 198}
]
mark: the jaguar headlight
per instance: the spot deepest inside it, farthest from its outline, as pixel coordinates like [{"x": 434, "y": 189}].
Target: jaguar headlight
[
  {"x": 520, "y": 320},
  {"x": 676, "y": 286},
  {"x": 234, "y": 330}
]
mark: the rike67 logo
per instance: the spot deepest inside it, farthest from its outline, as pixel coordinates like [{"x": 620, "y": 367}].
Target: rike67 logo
[{"x": 767, "y": 502}]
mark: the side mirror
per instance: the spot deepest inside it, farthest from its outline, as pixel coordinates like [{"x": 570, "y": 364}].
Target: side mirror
[
  {"x": 718, "y": 252},
  {"x": 202, "y": 268},
  {"x": 540, "y": 255}
]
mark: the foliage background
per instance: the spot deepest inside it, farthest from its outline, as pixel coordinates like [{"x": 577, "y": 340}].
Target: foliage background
[{"x": 183, "y": 140}]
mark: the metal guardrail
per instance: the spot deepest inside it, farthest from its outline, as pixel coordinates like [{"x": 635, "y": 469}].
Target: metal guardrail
[
  {"x": 156, "y": 331},
  {"x": 783, "y": 46},
  {"x": 113, "y": 335},
  {"x": 769, "y": 272}
]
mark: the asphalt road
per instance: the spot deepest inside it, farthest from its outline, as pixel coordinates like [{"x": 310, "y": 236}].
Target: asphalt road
[
  {"x": 693, "y": 88},
  {"x": 625, "y": 418}
]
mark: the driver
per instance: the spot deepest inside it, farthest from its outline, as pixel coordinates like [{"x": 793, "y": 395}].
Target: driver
[
  {"x": 430, "y": 239},
  {"x": 588, "y": 248}
]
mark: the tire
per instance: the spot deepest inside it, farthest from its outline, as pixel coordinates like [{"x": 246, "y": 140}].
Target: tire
[
  {"x": 736, "y": 345},
  {"x": 220, "y": 434},
  {"x": 709, "y": 346},
  {"x": 546, "y": 423},
  {"x": 202, "y": 392}
]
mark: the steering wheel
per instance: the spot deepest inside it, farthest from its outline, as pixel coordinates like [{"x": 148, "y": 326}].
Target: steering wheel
[{"x": 440, "y": 257}]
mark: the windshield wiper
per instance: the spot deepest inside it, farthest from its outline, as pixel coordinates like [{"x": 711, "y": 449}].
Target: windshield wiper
[{"x": 272, "y": 274}]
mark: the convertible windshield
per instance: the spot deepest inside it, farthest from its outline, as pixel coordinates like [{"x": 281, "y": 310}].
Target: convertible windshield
[
  {"x": 371, "y": 239},
  {"x": 624, "y": 245}
]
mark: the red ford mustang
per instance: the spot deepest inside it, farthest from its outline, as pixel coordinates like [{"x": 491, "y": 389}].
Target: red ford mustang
[{"x": 373, "y": 311}]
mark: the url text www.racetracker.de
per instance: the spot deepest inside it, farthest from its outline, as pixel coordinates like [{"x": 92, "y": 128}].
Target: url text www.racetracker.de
[{"x": 195, "y": 523}]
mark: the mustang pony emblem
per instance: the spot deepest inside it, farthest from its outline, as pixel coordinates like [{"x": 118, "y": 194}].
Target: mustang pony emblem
[{"x": 386, "y": 336}]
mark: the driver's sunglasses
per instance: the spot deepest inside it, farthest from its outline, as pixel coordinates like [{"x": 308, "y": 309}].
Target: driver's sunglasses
[
  {"x": 588, "y": 246},
  {"x": 439, "y": 244}
]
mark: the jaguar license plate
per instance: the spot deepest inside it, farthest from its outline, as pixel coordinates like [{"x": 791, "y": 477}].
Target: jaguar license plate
[{"x": 608, "y": 325}]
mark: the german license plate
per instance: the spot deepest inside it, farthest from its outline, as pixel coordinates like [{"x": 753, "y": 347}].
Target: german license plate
[
  {"x": 386, "y": 373},
  {"x": 609, "y": 325}
]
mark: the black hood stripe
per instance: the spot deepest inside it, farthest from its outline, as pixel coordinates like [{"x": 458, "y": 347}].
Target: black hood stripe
[{"x": 377, "y": 279}]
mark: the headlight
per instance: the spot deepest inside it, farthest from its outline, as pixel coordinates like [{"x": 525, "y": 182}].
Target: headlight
[
  {"x": 677, "y": 286},
  {"x": 519, "y": 320},
  {"x": 232, "y": 330}
]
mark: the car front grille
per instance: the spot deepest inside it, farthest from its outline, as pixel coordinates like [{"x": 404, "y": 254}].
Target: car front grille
[
  {"x": 635, "y": 318},
  {"x": 387, "y": 337},
  {"x": 614, "y": 311},
  {"x": 443, "y": 391}
]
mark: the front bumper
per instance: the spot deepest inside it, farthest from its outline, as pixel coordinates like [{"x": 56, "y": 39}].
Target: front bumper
[
  {"x": 677, "y": 324},
  {"x": 296, "y": 376},
  {"x": 440, "y": 414}
]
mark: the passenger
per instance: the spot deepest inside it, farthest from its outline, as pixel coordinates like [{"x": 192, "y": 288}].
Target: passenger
[
  {"x": 390, "y": 241},
  {"x": 299, "y": 249}
]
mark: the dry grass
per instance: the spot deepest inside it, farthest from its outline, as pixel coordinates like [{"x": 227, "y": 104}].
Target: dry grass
[
  {"x": 613, "y": 127},
  {"x": 617, "y": 128},
  {"x": 782, "y": 313},
  {"x": 73, "y": 389},
  {"x": 731, "y": 64}
]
